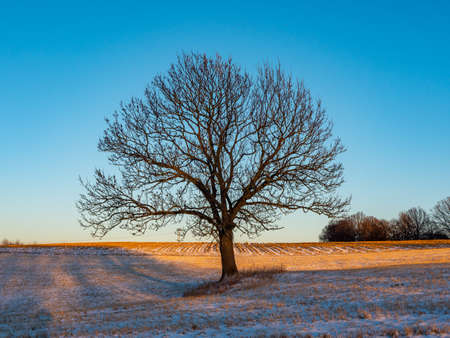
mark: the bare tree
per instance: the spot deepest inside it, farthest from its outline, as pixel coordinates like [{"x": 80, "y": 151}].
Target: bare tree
[
  {"x": 227, "y": 151},
  {"x": 338, "y": 230},
  {"x": 441, "y": 214},
  {"x": 420, "y": 222},
  {"x": 400, "y": 230},
  {"x": 372, "y": 229},
  {"x": 356, "y": 227},
  {"x": 412, "y": 224}
]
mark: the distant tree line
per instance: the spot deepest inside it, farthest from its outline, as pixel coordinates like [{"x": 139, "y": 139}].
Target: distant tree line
[
  {"x": 413, "y": 224},
  {"x": 6, "y": 242}
]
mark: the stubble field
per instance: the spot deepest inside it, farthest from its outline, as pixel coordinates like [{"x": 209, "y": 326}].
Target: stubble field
[{"x": 350, "y": 289}]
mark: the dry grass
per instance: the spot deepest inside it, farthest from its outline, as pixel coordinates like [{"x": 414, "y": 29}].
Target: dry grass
[
  {"x": 417, "y": 330},
  {"x": 319, "y": 262},
  {"x": 321, "y": 256},
  {"x": 88, "y": 292},
  {"x": 155, "y": 245},
  {"x": 248, "y": 279}
]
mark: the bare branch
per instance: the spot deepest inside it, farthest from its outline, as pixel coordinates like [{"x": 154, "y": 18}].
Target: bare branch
[{"x": 222, "y": 149}]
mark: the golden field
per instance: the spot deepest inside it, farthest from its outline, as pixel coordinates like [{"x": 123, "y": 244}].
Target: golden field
[{"x": 136, "y": 289}]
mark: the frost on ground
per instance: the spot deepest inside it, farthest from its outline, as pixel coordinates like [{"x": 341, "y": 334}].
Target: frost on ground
[{"x": 111, "y": 291}]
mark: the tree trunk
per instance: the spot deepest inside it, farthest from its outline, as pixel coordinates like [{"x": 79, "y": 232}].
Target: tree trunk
[{"x": 229, "y": 267}]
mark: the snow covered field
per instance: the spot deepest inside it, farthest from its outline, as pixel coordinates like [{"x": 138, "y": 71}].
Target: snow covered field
[{"x": 332, "y": 289}]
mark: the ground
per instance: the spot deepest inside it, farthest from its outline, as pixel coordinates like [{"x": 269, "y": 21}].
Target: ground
[{"x": 137, "y": 289}]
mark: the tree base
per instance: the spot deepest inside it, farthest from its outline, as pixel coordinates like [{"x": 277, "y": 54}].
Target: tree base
[{"x": 229, "y": 268}]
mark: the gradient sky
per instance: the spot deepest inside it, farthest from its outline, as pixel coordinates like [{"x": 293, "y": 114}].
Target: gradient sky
[{"x": 382, "y": 69}]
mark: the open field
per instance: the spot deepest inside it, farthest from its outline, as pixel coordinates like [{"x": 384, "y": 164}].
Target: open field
[{"x": 136, "y": 289}]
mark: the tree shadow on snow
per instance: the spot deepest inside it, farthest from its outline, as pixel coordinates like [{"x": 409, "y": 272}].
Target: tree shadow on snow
[
  {"x": 22, "y": 312},
  {"x": 112, "y": 279}
]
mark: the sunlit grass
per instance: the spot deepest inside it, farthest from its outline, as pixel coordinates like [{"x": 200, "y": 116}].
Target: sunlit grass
[{"x": 125, "y": 289}]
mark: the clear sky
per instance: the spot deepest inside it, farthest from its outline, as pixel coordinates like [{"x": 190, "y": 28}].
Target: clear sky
[{"x": 382, "y": 69}]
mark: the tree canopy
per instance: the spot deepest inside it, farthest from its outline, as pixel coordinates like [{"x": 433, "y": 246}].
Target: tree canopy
[{"x": 222, "y": 149}]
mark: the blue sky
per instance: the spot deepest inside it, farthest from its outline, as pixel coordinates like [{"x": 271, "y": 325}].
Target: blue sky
[{"x": 382, "y": 70}]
